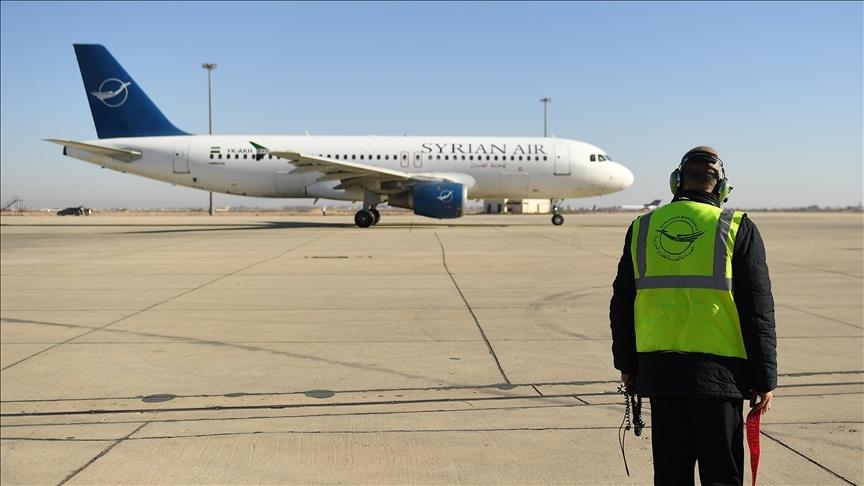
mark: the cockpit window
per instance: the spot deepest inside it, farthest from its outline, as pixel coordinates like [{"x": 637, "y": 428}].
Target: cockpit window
[
  {"x": 593, "y": 158},
  {"x": 601, "y": 158}
]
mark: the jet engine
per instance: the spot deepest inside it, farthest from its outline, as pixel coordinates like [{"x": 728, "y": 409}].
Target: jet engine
[{"x": 438, "y": 199}]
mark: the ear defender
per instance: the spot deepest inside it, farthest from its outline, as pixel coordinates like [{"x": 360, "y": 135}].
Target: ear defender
[
  {"x": 675, "y": 181},
  {"x": 721, "y": 189}
]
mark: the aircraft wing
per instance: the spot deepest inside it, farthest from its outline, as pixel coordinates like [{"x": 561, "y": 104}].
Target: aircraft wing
[
  {"x": 357, "y": 174},
  {"x": 124, "y": 155}
]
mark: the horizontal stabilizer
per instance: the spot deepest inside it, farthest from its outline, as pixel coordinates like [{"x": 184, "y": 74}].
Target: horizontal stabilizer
[{"x": 125, "y": 155}]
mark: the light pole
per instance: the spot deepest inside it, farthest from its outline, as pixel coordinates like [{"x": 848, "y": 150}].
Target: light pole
[
  {"x": 209, "y": 66},
  {"x": 545, "y": 101}
]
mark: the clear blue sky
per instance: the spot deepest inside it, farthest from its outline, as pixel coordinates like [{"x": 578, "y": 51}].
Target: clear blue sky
[{"x": 776, "y": 87}]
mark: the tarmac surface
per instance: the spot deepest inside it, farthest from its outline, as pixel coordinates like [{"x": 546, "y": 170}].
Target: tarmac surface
[{"x": 303, "y": 350}]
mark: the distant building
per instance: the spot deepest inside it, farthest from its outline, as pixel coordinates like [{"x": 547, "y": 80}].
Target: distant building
[
  {"x": 517, "y": 206},
  {"x": 495, "y": 206}
]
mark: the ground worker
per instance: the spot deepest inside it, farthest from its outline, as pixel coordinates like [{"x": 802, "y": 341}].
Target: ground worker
[{"x": 692, "y": 319}]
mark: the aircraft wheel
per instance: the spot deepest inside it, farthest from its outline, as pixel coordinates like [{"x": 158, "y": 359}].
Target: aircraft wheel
[
  {"x": 364, "y": 218},
  {"x": 557, "y": 220},
  {"x": 377, "y": 216}
]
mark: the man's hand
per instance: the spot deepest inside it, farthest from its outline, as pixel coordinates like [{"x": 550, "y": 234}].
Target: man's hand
[
  {"x": 626, "y": 379},
  {"x": 764, "y": 402}
]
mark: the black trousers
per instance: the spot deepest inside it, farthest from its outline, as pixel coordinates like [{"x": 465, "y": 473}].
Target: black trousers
[{"x": 707, "y": 431}]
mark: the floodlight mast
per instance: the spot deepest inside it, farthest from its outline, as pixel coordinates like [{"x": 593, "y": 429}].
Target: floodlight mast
[
  {"x": 209, "y": 66},
  {"x": 545, "y": 102}
]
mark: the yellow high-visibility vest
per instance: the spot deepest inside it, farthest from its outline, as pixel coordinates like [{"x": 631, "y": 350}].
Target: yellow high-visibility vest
[{"x": 682, "y": 260}]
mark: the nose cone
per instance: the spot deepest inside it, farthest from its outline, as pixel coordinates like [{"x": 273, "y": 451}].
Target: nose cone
[{"x": 621, "y": 177}]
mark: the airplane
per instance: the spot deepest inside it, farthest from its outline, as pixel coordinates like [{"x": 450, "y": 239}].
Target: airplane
[
  {"x": 641, "y": 207},
  {"x": 434, "y": 176}
]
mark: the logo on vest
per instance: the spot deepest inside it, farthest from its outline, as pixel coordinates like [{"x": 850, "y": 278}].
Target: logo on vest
[{"x": 674, "y": 240}]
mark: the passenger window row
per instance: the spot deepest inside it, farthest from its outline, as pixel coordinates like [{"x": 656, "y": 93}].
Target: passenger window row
[
  {"x": 417, "y": 157},
  {"x": 237, "y": 156},
  {"x": 488, "y": 157}
]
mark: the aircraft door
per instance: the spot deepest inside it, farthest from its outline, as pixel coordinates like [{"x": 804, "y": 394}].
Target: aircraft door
[
  {"x": 562, "y": 159},
  {"x": 181, "y": 157},
  {"x": 418, "y": 159},
  {"x": 403, "y": 160}
]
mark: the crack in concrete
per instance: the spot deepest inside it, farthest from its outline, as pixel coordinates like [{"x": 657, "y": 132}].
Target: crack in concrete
[
  {"x": 471, "y": 311},
  {"x": 98, "y": 456}
]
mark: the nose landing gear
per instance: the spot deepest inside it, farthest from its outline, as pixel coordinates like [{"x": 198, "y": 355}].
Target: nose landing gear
[{"x": 557, "y": 219}]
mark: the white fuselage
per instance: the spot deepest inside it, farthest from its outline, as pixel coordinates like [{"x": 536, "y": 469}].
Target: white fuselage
[{"x": 490, "y": 167}]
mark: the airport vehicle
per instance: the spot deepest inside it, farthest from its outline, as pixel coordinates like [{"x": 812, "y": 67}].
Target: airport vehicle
[
  {"x": 433, "y": 176},
  {"x": 76, "y": 211}
]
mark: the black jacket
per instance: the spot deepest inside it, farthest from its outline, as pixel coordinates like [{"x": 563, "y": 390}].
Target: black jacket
[{"x": 672, "y": 374}]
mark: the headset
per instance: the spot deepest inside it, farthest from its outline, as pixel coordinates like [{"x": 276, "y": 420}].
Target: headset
[{"x": 721, "y": 189}]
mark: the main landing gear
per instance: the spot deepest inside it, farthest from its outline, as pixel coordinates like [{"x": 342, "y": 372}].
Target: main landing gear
[
  {"x": 557, "y": 219},
  {"x": 367, "y": 217}
]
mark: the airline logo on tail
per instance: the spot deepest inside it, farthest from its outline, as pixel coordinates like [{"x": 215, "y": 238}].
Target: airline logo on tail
[{"x": 109, "y": 96}]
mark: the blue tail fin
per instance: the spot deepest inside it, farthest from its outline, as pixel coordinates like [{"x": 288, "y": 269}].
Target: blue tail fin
[{"x": 119, "y": 106}]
